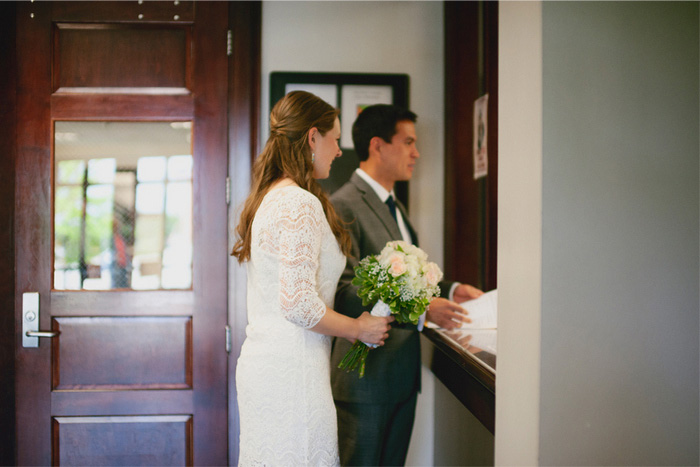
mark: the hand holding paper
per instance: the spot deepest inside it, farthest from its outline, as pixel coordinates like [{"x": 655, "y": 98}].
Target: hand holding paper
[
  {"x": 466, "y": 292},
  {"x": 446, "y": 314},
  {"x": 482, "y": 311}
]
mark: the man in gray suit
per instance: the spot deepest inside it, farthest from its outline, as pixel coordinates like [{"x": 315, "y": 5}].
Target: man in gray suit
[{"x": 375, "y": 413}]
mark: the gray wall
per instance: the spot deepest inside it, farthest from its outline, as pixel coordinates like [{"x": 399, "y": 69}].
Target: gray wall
[
  {"x": 619, "y": 318},
  {"x": 460, "y": 438}
]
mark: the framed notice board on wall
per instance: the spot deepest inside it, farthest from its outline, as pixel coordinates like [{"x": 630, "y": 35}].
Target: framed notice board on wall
[{"x": 350, "y": 93}]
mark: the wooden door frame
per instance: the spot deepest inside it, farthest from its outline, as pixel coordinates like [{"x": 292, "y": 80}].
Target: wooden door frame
[
  {"x": 244, "y": 110},
  {"x": 471, "y": 206},
  {"x": 8, "y": 118},
  {"x": 245, "y": 19}
]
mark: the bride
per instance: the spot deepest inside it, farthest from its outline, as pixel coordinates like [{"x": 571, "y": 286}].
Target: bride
[{"x": 295, "y": 250}]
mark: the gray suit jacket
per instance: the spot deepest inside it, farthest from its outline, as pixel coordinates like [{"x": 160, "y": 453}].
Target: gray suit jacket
[{"x": 392, "y": 372}]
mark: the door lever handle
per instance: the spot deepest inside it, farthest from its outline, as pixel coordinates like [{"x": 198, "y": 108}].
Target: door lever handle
[
  {"x": 41, "y": 333},
  {"x": 30, "y": 321}
]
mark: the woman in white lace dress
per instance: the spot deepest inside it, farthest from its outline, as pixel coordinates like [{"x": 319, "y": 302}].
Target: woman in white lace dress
[{"x": 295, "y": 250}]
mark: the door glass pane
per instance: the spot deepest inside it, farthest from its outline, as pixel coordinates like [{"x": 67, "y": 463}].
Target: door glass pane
[{"x": 123, "y": 205}]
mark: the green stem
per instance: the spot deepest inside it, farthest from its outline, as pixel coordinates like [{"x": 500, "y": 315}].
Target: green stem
[{"x": 356, "y": 356}]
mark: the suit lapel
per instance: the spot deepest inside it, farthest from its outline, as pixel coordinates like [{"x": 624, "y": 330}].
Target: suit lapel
[{"x": 380, "y": 210}]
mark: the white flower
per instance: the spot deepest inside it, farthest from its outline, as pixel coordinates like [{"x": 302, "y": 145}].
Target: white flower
[
  {"x": 414, "y": 265},
  {"x": 415, "y": 251},
  {"x": 389, "y": 257},
  {"x": 432, "y": 273},
  {"x": 392, "y": 247}
]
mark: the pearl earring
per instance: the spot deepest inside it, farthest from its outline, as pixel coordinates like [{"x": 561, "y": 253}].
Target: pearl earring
[{"x": 313, "y": 156}]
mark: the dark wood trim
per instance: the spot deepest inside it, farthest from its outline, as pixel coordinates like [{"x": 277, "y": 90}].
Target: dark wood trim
[
  {"x": 69, "y": 402},
  {"x": 210, "y": 219},
  {"x": 462, "y": 239},
  {"x": 126, "y": 12},
  {"x": 122, "y": 303},
  {"x": 471, "y": 206},
  {"x": 463, "y": 359},
  {"x": 120, "y": 107},
  {"x": 33, "y": 233},
  {"x": 468, "y": 380},
  {"x": 491, "y": 80},
  {"x": 245, "y": 23},
  {"x": 471, "y": 44},
  {"x": 8, "y": 117}
]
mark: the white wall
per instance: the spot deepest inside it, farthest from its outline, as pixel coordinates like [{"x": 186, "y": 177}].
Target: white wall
[
  {"x": 618, "y": 219},
  {"x": 376, "y": 37},
  {"x": 373, "y": 37},
  {"x": 519, "y": 232}
]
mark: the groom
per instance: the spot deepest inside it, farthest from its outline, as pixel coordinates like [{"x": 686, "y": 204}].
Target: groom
[{"x": 375, "y": 413}]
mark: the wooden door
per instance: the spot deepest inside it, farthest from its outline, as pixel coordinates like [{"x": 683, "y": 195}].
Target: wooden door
[{"x": 137, "y": 372}]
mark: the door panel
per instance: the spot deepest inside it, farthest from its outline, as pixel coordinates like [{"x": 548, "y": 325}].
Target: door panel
[
  {"x": 134, "y": 377},
  {"x": 92, "y": 57},
  {"x": 100, "y": 441},
  {"x": 107, "y": 353}
]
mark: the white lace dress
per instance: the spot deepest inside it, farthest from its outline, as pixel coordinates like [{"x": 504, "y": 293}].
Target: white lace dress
[{"x": 287, "y": 415}]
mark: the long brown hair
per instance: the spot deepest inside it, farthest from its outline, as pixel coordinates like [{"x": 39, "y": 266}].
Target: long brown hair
[{"x": 287, "y": 154}]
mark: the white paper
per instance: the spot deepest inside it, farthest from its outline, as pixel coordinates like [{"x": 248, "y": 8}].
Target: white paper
[
  {"x": 483, "y": 311},
  {"x": 474, "y": 340},
  {"x": 482, "y": 340},
  {"x": 327, "y": 92},
  {"x": 354, "y": 98}
]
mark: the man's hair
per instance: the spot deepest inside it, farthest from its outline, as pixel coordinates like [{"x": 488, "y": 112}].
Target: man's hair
[{"x": 377, "y": 120}]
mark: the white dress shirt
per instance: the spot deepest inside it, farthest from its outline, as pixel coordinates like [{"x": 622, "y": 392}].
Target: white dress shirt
[{"x": 383, "y": 195}]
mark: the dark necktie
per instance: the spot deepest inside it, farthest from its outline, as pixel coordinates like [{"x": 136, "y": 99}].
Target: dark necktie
[{"x": 392, "y": 206}]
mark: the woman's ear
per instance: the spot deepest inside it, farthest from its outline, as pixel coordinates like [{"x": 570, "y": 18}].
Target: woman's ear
[{"x": 313, "y": 133}]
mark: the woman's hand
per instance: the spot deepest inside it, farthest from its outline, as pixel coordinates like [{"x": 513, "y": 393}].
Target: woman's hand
[{"x": 373, "y": 329}]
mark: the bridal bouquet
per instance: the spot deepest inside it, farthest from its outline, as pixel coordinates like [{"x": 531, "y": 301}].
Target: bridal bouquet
[{"x": 399, "y": 281}]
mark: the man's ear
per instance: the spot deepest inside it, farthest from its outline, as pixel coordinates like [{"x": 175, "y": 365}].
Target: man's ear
[
  {"x": 313, "y": 134},
  {"x": 375, "y": 144}
]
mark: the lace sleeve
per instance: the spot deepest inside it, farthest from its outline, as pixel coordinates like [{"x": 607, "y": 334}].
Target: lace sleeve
[{"x": 299, "y": 249}]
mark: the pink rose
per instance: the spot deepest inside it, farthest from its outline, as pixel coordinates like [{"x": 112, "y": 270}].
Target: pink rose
[
  {"x": 433, "y": 274},
  {"x": 397, "y": 265}
]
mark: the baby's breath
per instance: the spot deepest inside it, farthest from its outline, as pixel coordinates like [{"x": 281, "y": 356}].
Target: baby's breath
[{"x": 397, "y": 277}]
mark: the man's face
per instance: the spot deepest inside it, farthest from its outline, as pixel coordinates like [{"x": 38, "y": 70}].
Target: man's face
[{"x": 398, "y": 158}]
